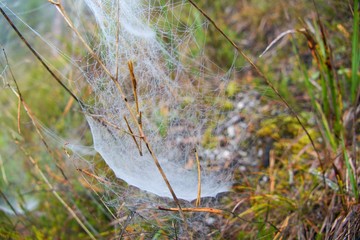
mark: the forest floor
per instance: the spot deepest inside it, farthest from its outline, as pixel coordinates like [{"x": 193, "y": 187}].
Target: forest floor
[{"x": 286, "y": 185}]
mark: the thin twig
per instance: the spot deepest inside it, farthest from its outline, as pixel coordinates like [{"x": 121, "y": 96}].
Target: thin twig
[
  {"x": 40, "y": 58},
  {"x": 95, "y": 191},
  {"x": 198, "y": 199},
  {"x": 128, "y": 220},
  {"x": 27, "y": 109},
  {"x": 134, "y": 85},
  {"x": 117, "y": 40},
  {"x": 140, "y": 124},
  {"x": 208, "y": 210},
  {"x": 19, "y": 97},
  {"x": 108, "y": 123},
  {"x": 8, "y": 203},
  {"x": 133, "y": 137},
  {"x": 94, "y": 176},
  {"x": 19, "y": 116}
]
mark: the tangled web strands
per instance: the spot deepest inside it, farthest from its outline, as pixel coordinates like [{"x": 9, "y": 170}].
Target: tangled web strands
[{"x": 172, "y": 99}]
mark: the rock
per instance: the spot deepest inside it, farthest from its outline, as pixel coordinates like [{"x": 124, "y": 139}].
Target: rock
[
  {"x": 242, "y": 153},
  {"x": 231, "y": 131},
  {"x": 240, "y": 105}
]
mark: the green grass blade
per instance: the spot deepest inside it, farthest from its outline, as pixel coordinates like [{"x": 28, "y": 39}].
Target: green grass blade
[
  {"x": 355, "y": 53},
  {"x": 350, "y": 171},
  {"x": 328, "y": 134}
]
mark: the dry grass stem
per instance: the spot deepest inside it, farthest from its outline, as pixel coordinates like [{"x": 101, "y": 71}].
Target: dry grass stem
[
  {"x": 134, "y": 85},
  {"x": 68, "y": 107},
  {"x": 94, "y": 176},
  {"x": 39, "y": 57},
  {"x": 117, "y": 42},
  {"x": 280, "y": 36},
  {"x": 198, "y": 200},
  {"x": 133, "y": 136},
  {"x": 8, "y": 203},
  {"x": 208, "y": 210},
  {"x": 106, "y": 123},
  {"x": 134, "y": 88},
  {"x": 272, "y": 172}
]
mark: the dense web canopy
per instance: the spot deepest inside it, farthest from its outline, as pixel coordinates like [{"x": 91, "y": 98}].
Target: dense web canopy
[{"x": 172, "y": 95}]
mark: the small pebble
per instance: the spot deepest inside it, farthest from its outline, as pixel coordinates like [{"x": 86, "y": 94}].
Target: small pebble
[
  {"x": 242, "y": 153},
  {"x": 210, "y": 221},
  {"x": 243, "y": 125},
  {"x": 240, "y": 105},
  {"x": 225, "y": 154},
  {"x": 231, "y": 131},
  {"x": 264, "y": 179},
  {"x": 242, "y": 169}
]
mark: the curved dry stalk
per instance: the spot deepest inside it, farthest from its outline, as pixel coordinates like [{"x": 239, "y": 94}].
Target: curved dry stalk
[
  {"x": 198, "y": 200},
  {"x": 268, "y": 82}
]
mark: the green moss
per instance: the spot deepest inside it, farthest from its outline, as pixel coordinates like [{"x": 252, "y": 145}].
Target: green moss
[
  {"x": 161, "y": 117},
  {"x": 269, "y": 128},
  {"x": 209, "y": 141},
  {"x": 227, "y": 106},
  {"x": 186, "y": 101},
  {"x": 232, "y": 89},
  {"x": 10, "y": 234},
  {"x": 287, "y": 133}
]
